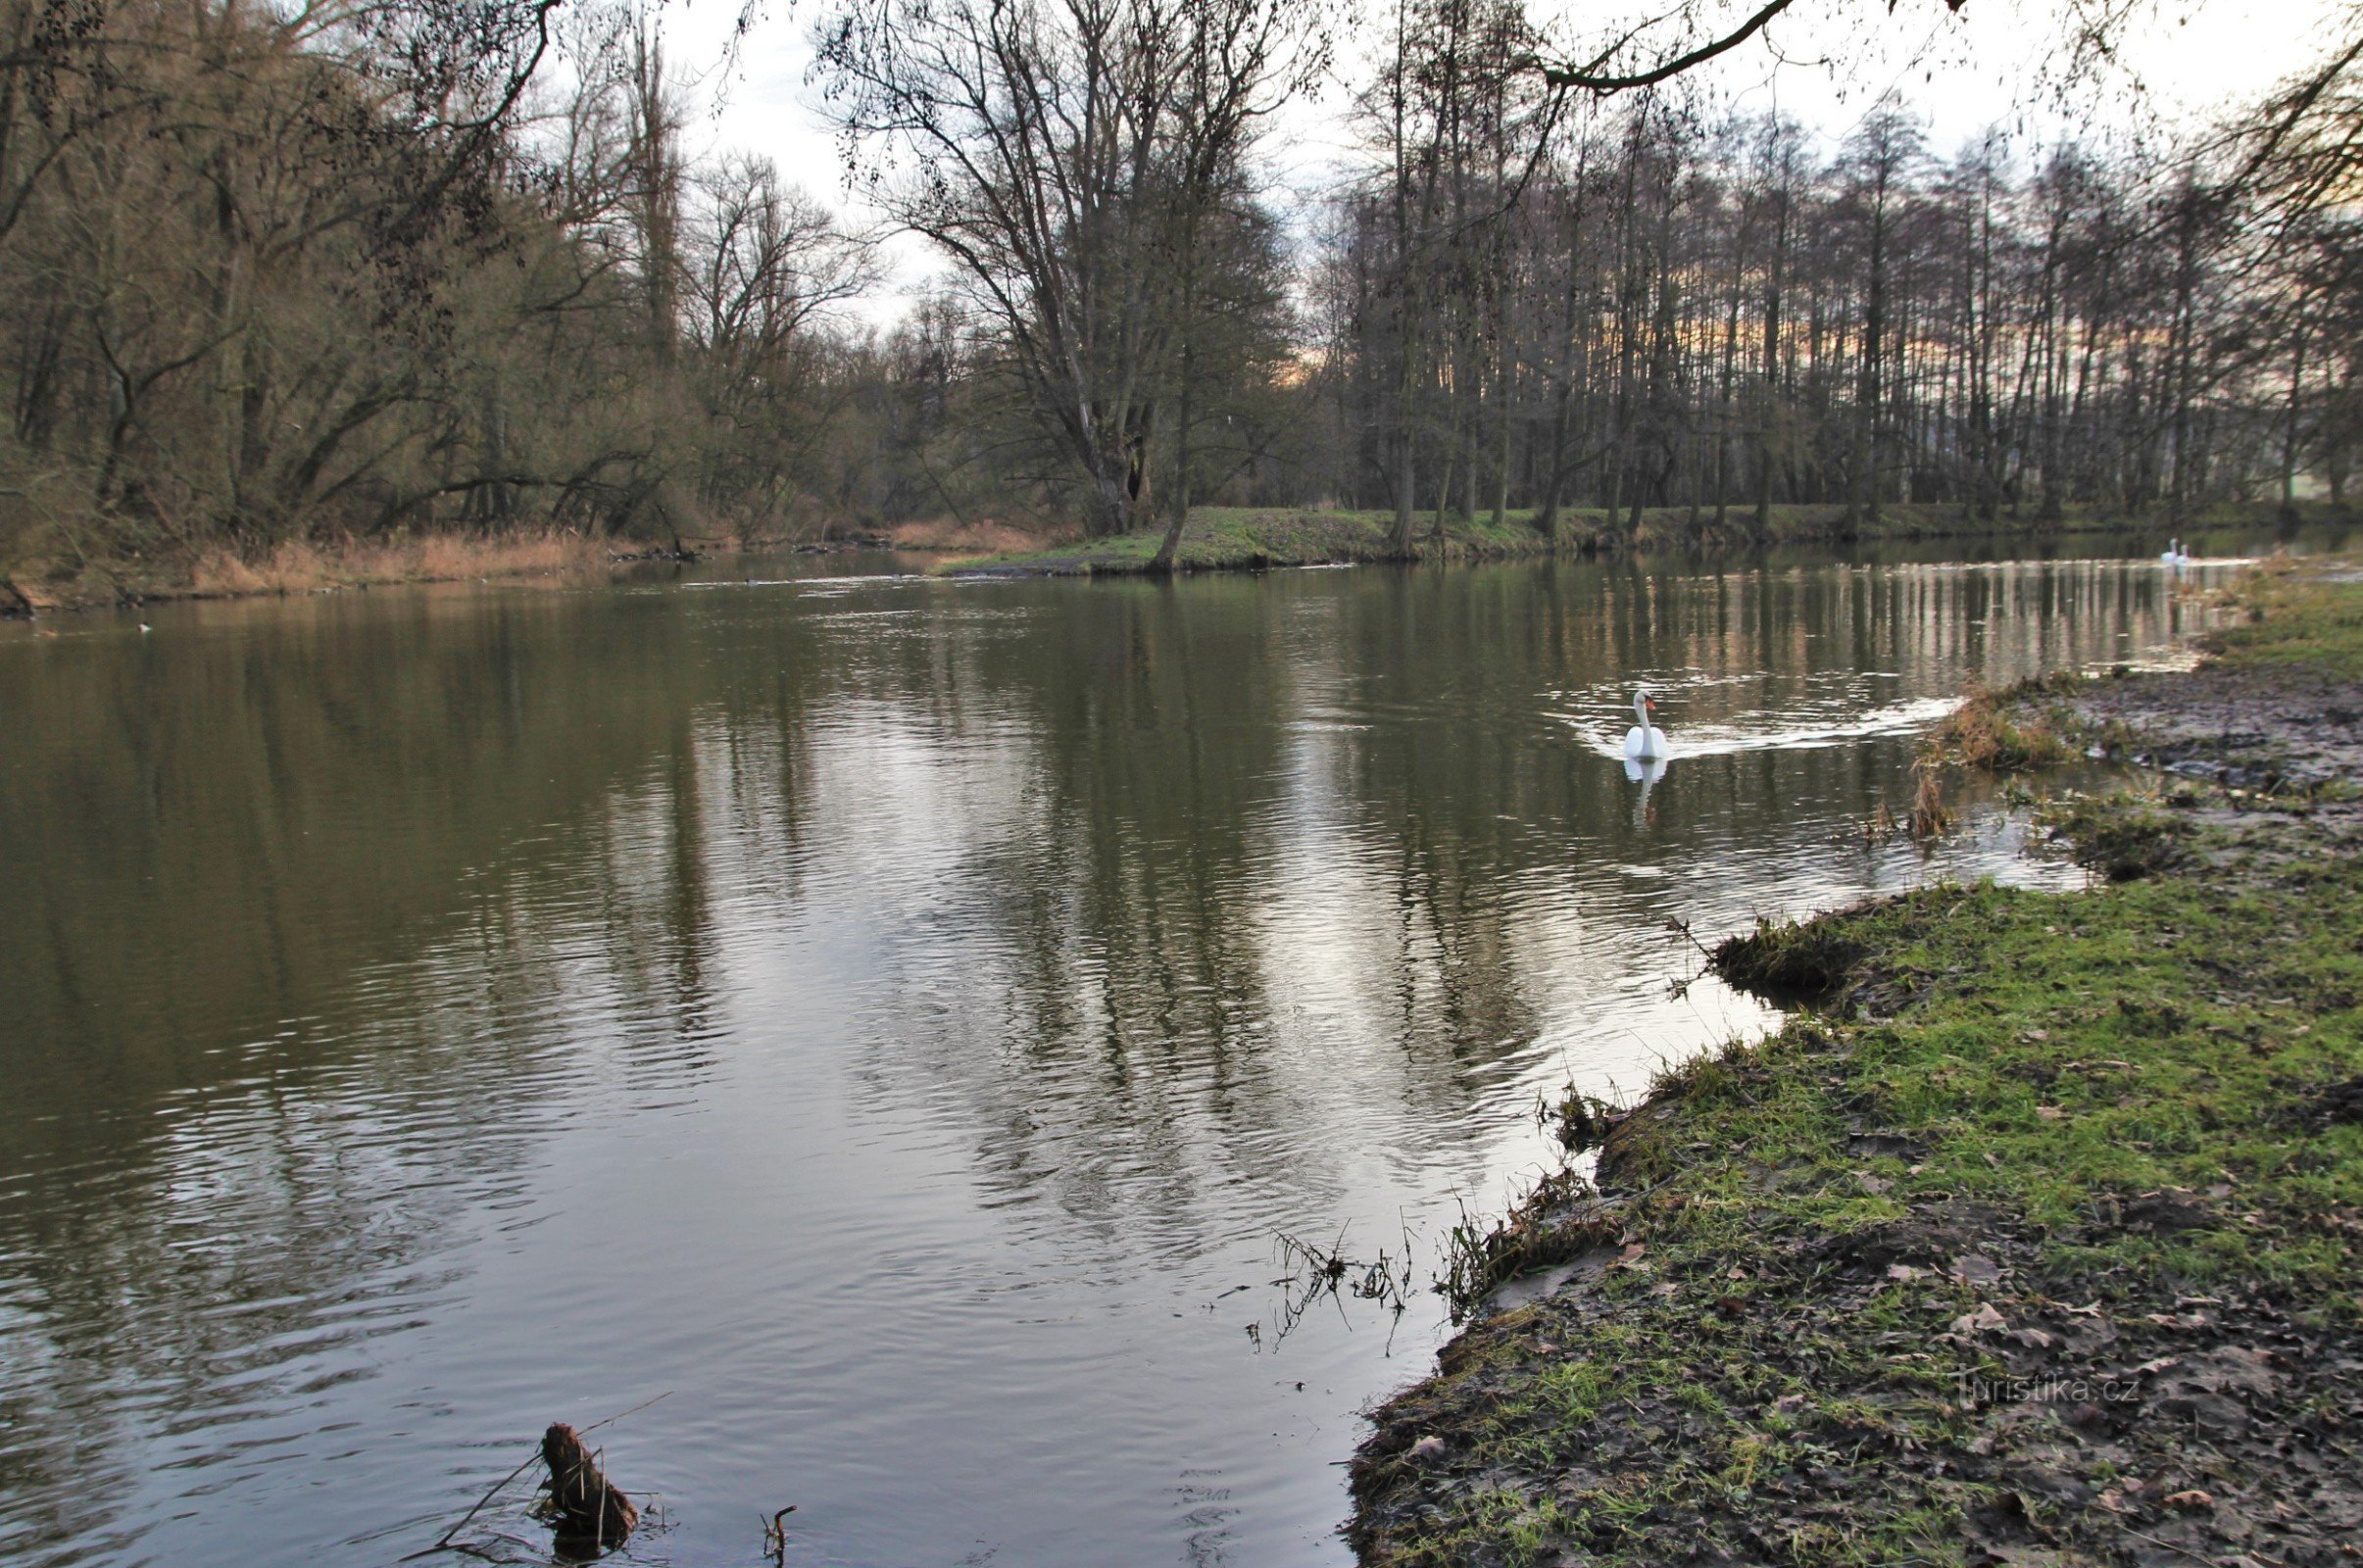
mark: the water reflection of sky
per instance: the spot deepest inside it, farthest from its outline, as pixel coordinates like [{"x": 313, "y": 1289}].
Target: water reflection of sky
[{"x": 894, "y": 1016}]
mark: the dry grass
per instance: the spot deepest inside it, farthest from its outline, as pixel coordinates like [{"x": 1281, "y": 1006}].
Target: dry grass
[
  {"x": 1931, "y": 817},
  {"x": 986, "y": 536},
  {"x": 302, "y": 567},
  {"x": 2007, "y": 731}
]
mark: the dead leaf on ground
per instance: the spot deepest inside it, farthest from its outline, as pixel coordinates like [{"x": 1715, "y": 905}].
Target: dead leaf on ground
[{"x": 1977, "y": 1322}]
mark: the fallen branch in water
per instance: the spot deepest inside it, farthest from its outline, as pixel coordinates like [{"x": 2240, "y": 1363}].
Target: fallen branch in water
[{"x": 444, "y": 1544}]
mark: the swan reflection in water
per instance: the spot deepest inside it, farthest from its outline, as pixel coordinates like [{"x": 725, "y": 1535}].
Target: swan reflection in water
[{"x": 1646, "y": 773}]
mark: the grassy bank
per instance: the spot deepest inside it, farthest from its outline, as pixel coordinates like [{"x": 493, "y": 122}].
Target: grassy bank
[
  {"x": 2032, "y": 1240},
  {"x": 1240, "y": 538},
  {"x": 1234, "y": 538}
]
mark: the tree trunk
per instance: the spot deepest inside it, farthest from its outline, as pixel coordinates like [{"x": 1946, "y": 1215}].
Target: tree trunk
[
  {"x": 1769, "y": 407},
  {"x": 2289, "y": 437}
]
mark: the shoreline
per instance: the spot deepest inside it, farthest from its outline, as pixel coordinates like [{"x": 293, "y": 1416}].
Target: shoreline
[
  {"x": 300, "y": 569},
  {"x": 2032, "y": 1237},
  {"x": 1257, "y": 539},
  {"x": 1218, "y": 539}
]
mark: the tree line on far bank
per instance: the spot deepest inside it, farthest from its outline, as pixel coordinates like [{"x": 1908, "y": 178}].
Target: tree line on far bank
[{"x": 283, "y": 275}]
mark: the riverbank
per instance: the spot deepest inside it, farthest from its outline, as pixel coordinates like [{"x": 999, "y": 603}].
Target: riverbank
[
  {"x": 1218, "y": 539},
  {"x": 309, "y": 567},
  {"x": 1242, "y": 538},
  {"x": 338, "y": 565},
  {"x": 2031, "y": 1240}
]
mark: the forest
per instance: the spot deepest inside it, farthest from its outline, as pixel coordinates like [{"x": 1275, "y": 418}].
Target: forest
[{"x": 328, "y": 275}]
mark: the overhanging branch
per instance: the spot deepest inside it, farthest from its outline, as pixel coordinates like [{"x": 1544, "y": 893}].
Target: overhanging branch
[{"x": 1595, "y": 76}]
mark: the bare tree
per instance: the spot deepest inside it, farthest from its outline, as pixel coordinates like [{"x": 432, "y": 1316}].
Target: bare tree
[{"x": 1067, "y": 156}]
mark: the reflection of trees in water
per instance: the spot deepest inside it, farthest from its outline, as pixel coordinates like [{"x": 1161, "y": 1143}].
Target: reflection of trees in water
[
  {"x": 1195, "y": 759},
  {"x": 1755, "y": 631},
  {"x": 312, "y": 921},
  {"x": 206, "y": 841},
  {"x": 1437, "y": 801},
  {"x": 1121, "y": 1069}
]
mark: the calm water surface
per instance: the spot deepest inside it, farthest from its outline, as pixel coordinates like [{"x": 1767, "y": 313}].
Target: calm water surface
[{"x": 892, "y": 1018}]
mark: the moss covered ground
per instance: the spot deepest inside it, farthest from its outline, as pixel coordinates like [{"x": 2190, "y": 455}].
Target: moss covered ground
[{"x": 2032, "y": 1239}]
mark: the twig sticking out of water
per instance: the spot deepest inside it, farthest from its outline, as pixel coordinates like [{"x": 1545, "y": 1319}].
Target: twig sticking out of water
[
  {"x": 775, "y": 1536},
  {"x": 1314, "y": 1273},
  {"x": 609, "y": 1421},
  {"x": 1682, "y": 928}
]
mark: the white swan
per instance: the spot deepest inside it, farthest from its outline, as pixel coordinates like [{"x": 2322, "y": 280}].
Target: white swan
[
  {"x": 2174, "y": 556},
  {"x": 1645, "y": 742}
]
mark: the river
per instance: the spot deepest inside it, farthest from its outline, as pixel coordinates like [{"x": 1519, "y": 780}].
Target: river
[{"x": 892, "y": 1019}]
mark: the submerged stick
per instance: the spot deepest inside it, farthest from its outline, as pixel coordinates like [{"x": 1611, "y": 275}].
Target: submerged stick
[{"x": 443, "y": 1544}]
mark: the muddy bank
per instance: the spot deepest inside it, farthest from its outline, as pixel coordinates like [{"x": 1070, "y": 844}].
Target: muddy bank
[{"x": 2031, "y": 1240}]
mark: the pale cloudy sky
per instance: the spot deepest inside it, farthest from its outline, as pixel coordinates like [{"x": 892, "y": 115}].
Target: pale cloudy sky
[{"x": 1825, "y": 66}]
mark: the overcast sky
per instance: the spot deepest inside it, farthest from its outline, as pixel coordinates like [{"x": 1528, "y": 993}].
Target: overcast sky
[{"x": 1825, "y": 66}]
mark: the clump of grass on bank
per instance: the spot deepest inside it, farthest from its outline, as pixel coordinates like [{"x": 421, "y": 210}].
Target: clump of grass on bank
[
  {"x": 2039, "y": 1243},
  {"x": 1784, "y": 958},
  {"x": 2011, "y": 728}
]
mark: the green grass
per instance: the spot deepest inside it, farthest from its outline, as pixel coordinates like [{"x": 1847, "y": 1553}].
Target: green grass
[
  {"x": 2298, "y": 621},
  {"x": 2121, "y": 1121},
  {"x": 2069, "y": 1055}
]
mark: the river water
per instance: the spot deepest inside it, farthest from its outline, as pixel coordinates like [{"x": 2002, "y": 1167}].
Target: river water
[{"x": 890, "y": 1019}]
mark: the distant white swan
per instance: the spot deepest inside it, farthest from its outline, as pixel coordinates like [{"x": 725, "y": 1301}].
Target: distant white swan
[
  {"x": 1645, "y": 742},
  {"x": 2174, "y": 556}
]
